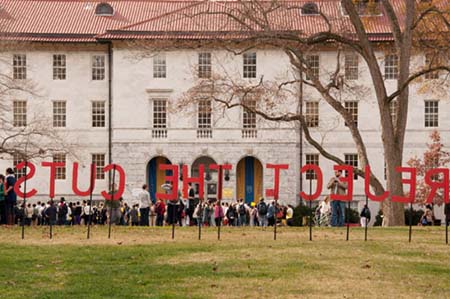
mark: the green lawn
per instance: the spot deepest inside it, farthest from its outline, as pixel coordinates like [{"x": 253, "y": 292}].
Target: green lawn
[{"x": 246, "y": 263}]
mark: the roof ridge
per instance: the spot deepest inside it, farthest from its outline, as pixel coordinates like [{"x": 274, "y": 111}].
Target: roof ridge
[{"x": 162, "y": 15}]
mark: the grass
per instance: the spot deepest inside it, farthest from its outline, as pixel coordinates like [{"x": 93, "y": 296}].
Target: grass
[{"x": 247, "y": 263}]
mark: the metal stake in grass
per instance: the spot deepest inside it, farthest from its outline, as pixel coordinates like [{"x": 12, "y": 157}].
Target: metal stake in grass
[
  {"x": 24, "y": 199},
  {"x": 174, "y": 209},
  {"x": 446, "y": 229},
  {"x": 410, "y": 221},
  {"x": 275, "y": 222},
  {"x": 366, "y": 224},
  {"x": 50, "y": 222},
  {"x": 200, "y": 212},
  {"x": 91, "y": 189},
  {"x": 347, "y": 215},
  {"x": 112, "y": 199},
  {"x": 310, "y": 208}
]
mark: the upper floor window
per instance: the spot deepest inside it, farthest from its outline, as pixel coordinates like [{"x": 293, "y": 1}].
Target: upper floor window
[
  {"x": 431, "y": 61},
  {"x": 352, "y": 108},
  {"x": 249, "y": 60},
  {"x": 17, "y": 159},
  {"x": 204, "y": 119},
  {"x": 20, "y": 113},
  {"x": 313, "y": 64},
  {"x": 59, "y": 114},
  {"x": 431, "y": 114},
  {"x": 391, "y": 66},
  {"x": 312, "y": 114},
  {"x": 20, "y": 66},
  {"x": 159, "y": 118},
  {"x": 352, "y": 160},
  {"x": 159, "y": 66},
  {"x": 99, "y": 161},
  {"x": 204, "y": 65},
  {"x": 249, "y": 119},
  {"x": 60, "y": 170},
  {"x": 393, "y": 107},
  {"x": 351, "y": 66},
  {"x": 98, "y": 67},
  {"x": 312, "y": 159},
  {"x": 98, "y": 114},
  {"x": 59, "y": 67}
]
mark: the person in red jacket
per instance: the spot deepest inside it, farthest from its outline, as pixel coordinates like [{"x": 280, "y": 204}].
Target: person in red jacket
[{"x": 160, "y": 210}]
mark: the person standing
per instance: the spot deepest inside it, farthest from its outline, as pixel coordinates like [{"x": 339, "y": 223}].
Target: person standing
[
  {"x": 10, "y": 196},
  {"x": 337, "y": 206},
  {"x": 365, "y": 216},
  {"x": 191, "y": 205},
  {"x": 290, "y": 215},
  {"x": 2, "y": 200},
  {"x": 160, "y": 209},
  {"x": 271, "y": 214},
  {"x": 242, "y": 210},
  {"x": 262, "y": 212},
  {"x": 62, "y": 212},
  {"x": 144, "y": 205},
  {"x": 218, "y": 213}
]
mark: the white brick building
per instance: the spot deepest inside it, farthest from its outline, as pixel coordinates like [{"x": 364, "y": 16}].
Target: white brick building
[{"x": 127, "y": 114}]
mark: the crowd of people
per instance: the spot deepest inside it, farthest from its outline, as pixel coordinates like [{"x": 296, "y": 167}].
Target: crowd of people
[{"x": 183, "y": 212}]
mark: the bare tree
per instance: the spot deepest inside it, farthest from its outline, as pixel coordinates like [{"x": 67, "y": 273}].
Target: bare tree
[
  {"x": 415, "y": 28},
  {"x": 24, "y": 134}
]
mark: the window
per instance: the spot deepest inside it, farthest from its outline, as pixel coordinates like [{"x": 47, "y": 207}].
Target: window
[
  {"x": 351, "y": 66},
  {"x": 204, "y": 65},
  {"x": 430, "y": 62},
  {"x": 17, "y": 159},
  {"x": 159, "y": 118},
  {"x": 60, "y": 170},
  {"x": 249, "y": 65},
  {"x": 313, "y": 63},
  {"x": 104, "y": 9},
  {"x": 159, "y": 66},
  {"x": 204, "y": 119},
  {"x": 19, "y": 113},
  {"x": 59, "y": 114},
  {"x": 310, "y": 8},
  {"x": 393, "y": 106},
  {"x": 391, "y": 66},
  {"x": 98, "y": 114},
  {"x": 59, "y": 67},
  {"x": 99, "y": 161},
  {"x": 431, "y": 114},
  {"x": 20, "y": 66},
  {"x": 312, "y": 114},
  {"x": 352, "y": 160},
  {"x": 98, "y": 67},
  {"x": 249, "y": 120},
  {"x": 312, "y": 159},
  {"x": 352, "y": 108}
]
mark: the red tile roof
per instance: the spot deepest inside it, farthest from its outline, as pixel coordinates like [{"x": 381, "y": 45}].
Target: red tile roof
[{"x": 72, "y": 20}]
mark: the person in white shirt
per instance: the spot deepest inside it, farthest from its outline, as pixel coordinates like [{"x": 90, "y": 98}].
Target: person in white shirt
[
  {"x": 325, "y": 210},
  {"x": 144, "y": 205}
]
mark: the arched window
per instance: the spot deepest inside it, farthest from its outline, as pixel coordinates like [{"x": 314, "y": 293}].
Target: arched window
[
  {"x": 310, "y": 8},
  {"x": 104, "y": 9}
]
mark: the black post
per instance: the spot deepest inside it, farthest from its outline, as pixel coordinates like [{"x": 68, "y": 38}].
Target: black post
[
  {"x": 275, "y": 222},
  {"x": 51, "y": 226},
  {"x": 446, "y": 229},
  {"x": 218, "y": 228},
  {"x": 367, "y": 222},
  {"x": 112, "y": 200},
  {"x": 201, "y": 220},
  {"x": 173, "y": 221},
  {"x": 91, "y": 189},
  {"x": 410, "y": 221},
  {"x": 310, "y": 208},
  {"x": 347, "y": 215},
  {"x": 24, "y": 200}
]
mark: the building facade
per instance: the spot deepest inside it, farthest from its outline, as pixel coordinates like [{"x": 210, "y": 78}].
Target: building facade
[{"x": 118, "y": 101}]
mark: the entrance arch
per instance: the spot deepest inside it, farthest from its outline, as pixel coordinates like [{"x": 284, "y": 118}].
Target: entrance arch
[
  {"x": 156, "y": 176},
  {"x": 249, "y": 179},
  {"x": 210, "y": 176}
]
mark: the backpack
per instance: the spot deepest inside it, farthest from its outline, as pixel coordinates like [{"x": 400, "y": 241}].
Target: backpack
[
  {"x": 262, "y": 208},
  {"x": 242, "y": 209}
]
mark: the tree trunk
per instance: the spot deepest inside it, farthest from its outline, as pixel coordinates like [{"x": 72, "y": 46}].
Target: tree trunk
[{"x": 393, "y": 212}]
